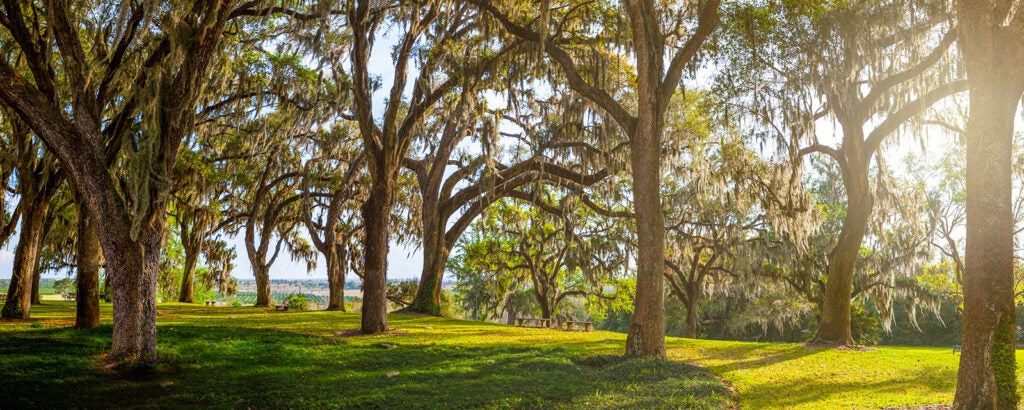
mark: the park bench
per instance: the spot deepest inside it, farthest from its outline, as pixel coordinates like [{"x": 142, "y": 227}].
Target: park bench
[
  {"x": 956, "y": 348},
  {"x": 283, "y": 308},
  {"x": 211, "y": 303},
  {"x": 3, "y": 296},
  {"x": 537, "y": 321},
  {"x": 573, "y": 325},
  {"x": 69, "y": 296}
]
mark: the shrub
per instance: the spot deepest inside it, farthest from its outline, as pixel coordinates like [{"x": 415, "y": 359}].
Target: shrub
[
  {"x": 864, "y": 326},
  {"x": 297, "y": 301}
]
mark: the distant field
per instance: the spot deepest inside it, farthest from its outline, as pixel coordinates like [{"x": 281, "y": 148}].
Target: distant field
[{"x": 248, "y": 357}]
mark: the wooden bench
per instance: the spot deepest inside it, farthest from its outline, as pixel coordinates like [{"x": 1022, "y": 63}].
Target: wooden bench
[
  {"x": 69, "y": 296},
  {"x": 573, "y": 325},
  {"x": 283, "y": 308},
  {"x": 211, "y": 303},
  {"x": 3, "y": 296},
  {"x": 537, "y": 321},
  {"x": 956, "y": 348}
]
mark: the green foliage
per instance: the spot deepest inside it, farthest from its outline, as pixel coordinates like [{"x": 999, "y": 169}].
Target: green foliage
[
  {"x": 864, "y": 326},
  {"x": 64, "y": 286},
  {"x": 297, "y": 301}
]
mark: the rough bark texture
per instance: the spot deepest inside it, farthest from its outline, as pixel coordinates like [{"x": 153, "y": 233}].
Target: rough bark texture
[
  {"x": 993, "y": 55},
  {"x": 834, "y": 328},
  {"x": 87, "y": 314},
  {"x": 376, "y": 217}
]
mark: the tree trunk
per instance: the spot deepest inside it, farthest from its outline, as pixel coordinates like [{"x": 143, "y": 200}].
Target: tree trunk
[
  {"x": 188, "y": 276},
  {"x": 87, "y": 313},
  {"x": 647, "y": 328},
  {"x": 335, "y": 279},
  {"x": 26, "y": 260},
  {"x": 834, "y": 327},
  {"x": 987, "y": 376},
  {"x": 133, "y": 286},
  {"x": 691, "y": 312},
  {"x": 37, "y": 276},
  {"x": 435, "y": 256},
  {"x": 262, "y": 275},
  {"x": 376, "y": 215}
]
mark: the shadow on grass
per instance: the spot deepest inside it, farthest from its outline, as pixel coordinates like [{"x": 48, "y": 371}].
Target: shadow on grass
[{"x": 252, "y": 363}]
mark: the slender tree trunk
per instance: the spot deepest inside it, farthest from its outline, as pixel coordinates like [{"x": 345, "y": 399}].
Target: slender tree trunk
[
  {"x": 87, "y": 314},
  {"x": 188, "y": 276},
  {"x": 647, "y": 329},
  {"x": 26, "y": 260},
  {"x": 262, "y": 274},
  {"x": 435, "y": 255},
  {"x": 335, "y": 279},
  {"x": 987, "y": 376},
  {"x": 377, "y": 216},
  {"x": 691, "y": 312},
  {"x": 37, "y": 276},
  {"x": 834, "y": 327}
]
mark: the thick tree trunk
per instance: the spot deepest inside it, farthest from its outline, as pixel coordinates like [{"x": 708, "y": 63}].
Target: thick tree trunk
[
  {"x": 87, "y": 314},
  {"x": 335, "y": 279},
  {"x": 133, "y": 287},
  {"x": 262, "y": 275},
  {"x": 987, "y": 376},
  {"x": 26, "y": 260},
  {"x": 188, "y": 276},
  {"x": 376, "y": 217},
  {"x": 993, "y": 57},
  {"x": 435, "y": 256},
  {"x": 834, "y": 327}
]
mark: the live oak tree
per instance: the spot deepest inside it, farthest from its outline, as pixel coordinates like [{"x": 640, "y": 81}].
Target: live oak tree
[
  {"x": 333, "y": 182},
  {"x": 428, "y": 38},
  {"x": 553, "y": 141},
  {"x": 661, "y": 39},
  {"x": 39, "y": 178},
  {"x": 872, "y": 68},
  {"x": 131, "y": 88}
]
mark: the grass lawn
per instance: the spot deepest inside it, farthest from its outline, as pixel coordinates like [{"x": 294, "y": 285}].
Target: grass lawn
[{"x": 248, "y": 357}]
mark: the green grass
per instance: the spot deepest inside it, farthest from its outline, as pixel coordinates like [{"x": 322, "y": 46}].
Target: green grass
[{"x": 247, "y": 357}]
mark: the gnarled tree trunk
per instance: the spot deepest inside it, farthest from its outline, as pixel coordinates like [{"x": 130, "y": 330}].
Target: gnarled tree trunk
[
  {"x": 188, "y": 276},
  {"x": 435, "y": 256}
]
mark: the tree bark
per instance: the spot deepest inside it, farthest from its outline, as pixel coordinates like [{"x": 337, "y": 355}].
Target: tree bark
[
  {"x": 87, "y": 313},
  {"x": 335, "y": 279},
  {"x": 37, "y": 276},
  {"x": 188, "y": 276},
  {"x": 993, "y": 57},
  {"x": 26, "y": 258},
  {"x": 435, "y": 255},
  {"x": 834, "y": 326},
  {"x": 377, "y": 216},
  {"x": 262, "y": 275},
  {"x": 691, "y": 312}
]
